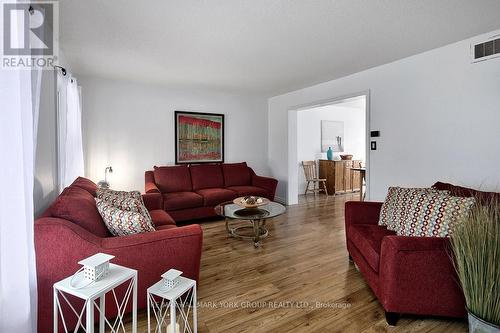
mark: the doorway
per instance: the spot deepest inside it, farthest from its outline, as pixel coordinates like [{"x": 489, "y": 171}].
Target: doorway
[{"x": 341, "y": 125}]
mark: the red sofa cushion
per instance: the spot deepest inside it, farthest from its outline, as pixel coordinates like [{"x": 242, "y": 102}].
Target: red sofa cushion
[
  {"x": 78, "y": 206},
  {"x": 368, "y": 240},
  {"x": 215, "y": 196},
  {"x": 459, "y": 191},
  {"x": 206, "y": 176},
  {"x": 191, "y": 214},
  {"x": 86, "y": 184},
  {"x": 181, "y": 200},
  {"x": 161, "y": 218},
  {"x": 173, "y": 178},
  {"x": 236, "y": 174},
  {"x": 248, "y": 190}
]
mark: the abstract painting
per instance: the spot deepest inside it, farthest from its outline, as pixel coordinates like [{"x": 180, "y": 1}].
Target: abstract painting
[
  {"x": 332, "y": 135},
  {"x": 199, "y": 137}
]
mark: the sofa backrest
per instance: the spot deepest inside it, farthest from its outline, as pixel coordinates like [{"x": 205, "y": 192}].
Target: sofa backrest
[
  {"x": 236, "y": 174},
  {"x": 206, "y": 176},
  {"x": 77, "y": 205},
  {"x": 173, "y": 178},
  {"x": 459, "y": 191},
  {"x": 86, "y": 184}
]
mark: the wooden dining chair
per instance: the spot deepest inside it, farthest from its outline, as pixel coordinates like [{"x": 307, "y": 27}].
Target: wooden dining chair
[
  {"x": 362, "y": 180},
  {"x": 312, "y": 177}
]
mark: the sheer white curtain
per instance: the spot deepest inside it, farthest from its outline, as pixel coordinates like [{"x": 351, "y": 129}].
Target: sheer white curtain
[
  {"x": 71, "y": 163},
  {"x": 17, "y": 254}
]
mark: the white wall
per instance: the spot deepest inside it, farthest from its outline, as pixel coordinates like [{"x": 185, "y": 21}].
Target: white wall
[
  {"x": 437, "y": 113},
  {"x": 309, "y": 134},
  {"x": 130, "y": 126}
]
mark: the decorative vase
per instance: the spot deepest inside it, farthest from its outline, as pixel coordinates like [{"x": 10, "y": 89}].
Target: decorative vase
[
  {"x": 478, "y": 325},
  {"x": 329, "y": 154}
]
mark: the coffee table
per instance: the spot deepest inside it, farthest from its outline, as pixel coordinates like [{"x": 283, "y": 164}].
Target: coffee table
[{"x": 257, "y": 217}]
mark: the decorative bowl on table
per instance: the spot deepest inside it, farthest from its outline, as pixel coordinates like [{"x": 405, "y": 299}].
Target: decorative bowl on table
[
  {"x": 251, "y": 201},
  {"x": 346, "y": 157}
]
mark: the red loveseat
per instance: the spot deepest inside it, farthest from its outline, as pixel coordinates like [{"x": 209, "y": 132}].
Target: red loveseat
[
  {"x": 72, "y": 229},
  {"x": 413, "y": 275},
  {"x": 192, "y": 192}
]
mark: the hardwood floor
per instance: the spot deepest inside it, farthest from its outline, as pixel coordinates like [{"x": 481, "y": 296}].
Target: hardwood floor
[{"x": 300, "y": 280}]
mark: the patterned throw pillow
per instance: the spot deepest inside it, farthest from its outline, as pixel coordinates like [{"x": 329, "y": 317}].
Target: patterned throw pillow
[
  {"x": 396, "y": 205},
  {"x": 435, "y": 215},
  {"x": 123, "y": 222},
  {"x": 108, "y": 194},
  {"x": 131, "y": 204},
  {"x": 129, "y": 201}
]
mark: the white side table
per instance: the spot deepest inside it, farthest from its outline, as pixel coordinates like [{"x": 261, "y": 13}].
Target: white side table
[
  {"x": 117, "y": 276},
  {"x": 167, "y": 301}
]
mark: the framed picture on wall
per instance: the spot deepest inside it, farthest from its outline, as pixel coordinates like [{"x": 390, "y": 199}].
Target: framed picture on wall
[
  {"x": 199, "y": 137},
  {"x": 332, "y": 135}
]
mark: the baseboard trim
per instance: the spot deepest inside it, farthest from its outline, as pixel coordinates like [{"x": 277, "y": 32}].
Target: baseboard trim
[{"x": 280, "y": 200}]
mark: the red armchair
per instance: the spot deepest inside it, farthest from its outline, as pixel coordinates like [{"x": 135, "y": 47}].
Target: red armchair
[
  {"x": 412, "y": 275},
  {"x": 61, "y": 242}
]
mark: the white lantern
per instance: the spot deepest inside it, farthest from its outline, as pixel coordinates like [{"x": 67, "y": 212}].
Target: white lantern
[
  {"x": 170, "y": 278},
  {"x": 96, "y": 267}
]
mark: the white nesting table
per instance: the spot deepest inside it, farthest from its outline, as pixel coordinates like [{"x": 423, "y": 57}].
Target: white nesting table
[
  {"x": 181, "y": 297},
  {"x": 117, "y": 276}
]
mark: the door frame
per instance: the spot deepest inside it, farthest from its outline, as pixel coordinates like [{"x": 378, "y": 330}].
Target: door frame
[{"x": 292, "y": 194}]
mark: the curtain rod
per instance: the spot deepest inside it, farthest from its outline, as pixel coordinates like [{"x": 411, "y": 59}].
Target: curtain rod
[{"x": 63, "y": 70}]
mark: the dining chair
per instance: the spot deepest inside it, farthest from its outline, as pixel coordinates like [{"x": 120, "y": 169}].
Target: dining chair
[{"x": 312, "y": 177}]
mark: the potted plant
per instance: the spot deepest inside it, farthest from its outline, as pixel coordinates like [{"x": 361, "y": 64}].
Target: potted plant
[{"x": 476, "y": 247}]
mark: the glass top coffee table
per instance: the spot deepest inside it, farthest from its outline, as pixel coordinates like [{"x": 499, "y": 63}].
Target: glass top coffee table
[{"x": 257, "y": 217}]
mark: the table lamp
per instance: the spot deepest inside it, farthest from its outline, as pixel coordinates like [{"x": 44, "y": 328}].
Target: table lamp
[{"x": 104, "y": 183}]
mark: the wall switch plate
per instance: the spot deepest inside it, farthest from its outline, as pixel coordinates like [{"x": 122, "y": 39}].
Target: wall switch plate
[{"x": 373, "y": 145}]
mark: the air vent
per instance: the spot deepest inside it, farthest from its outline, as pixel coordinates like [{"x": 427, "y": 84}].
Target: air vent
[{"x": 486, "y": 50}]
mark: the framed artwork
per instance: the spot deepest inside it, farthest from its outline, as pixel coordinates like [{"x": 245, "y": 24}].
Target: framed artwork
[
  {"x": 332, "y": 135},
  {"x": 199, "y": 137}
]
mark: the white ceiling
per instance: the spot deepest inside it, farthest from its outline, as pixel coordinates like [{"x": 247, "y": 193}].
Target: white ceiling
[{"x": 264, "y": 47}]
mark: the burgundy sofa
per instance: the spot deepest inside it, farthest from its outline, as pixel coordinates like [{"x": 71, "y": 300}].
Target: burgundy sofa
[
  {"x": 72, "y": 229},
  {"x": 412, "y": 275},
  {"x": 192, "y": 192}
]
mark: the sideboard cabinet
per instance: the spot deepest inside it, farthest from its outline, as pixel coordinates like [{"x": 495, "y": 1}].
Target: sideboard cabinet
[{"x": 339, "y": 176}]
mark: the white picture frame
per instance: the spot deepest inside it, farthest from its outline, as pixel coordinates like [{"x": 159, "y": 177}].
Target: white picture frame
[{"x": 332, "y": 135}]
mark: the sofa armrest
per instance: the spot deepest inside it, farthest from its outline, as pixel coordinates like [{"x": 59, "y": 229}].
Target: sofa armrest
[
  {"x": 152, "y": 237},
  {"x": 149, "y": 183},
  {"x": 362, "y": 212},
  {"x": 407, "y": 243},
  {"x": 267, "y": 183},
  {"x": 153, "y": 201},
  {"x": 156, "y": 252},
  {"x": 417, "y": 276}
]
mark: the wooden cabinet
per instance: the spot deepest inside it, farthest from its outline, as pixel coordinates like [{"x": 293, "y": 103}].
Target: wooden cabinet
[{"x": 339, "y": 176}]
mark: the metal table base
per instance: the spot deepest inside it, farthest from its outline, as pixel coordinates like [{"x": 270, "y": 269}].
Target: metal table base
[{"x": 257, "y": 226}]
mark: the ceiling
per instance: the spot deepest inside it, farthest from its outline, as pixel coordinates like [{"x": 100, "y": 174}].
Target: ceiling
[{"x": 264, "y": 47}]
